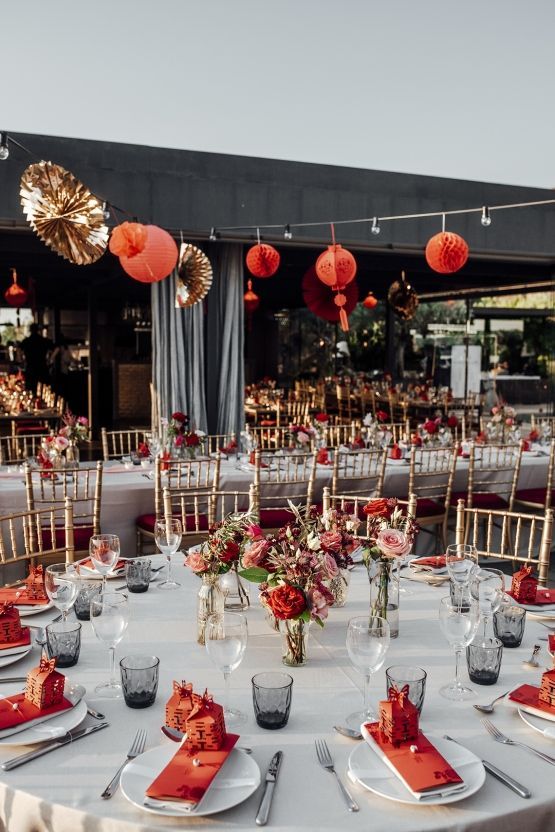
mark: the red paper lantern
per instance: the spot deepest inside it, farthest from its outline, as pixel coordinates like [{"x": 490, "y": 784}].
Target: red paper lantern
[
  {"x": 251, "y": 299},
  {"x": 16, "y": 295},
  {"x": 128, "y": 239},
  {"x": 262, "y": 260},
  {"x": 336, "y": 267},
  {"x": 156, "y": 261},
  {"x": 370, "y": 301},
  {"x": 446, "y": 252}
]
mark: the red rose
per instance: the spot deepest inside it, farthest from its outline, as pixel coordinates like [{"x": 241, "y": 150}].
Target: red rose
[
  {"x": 533, "y": 436},
  {"x": 331, "y": 541},
  {"x": 180, "y": 417},
  {"x": 382, "y": 416},
  {"x": 430, "y": 426},
  {"x": 396, "y": 452},
  {"x": 452, "y": 422},
  {"x": 230, "y": 552},
  {"x": 379, "y": 507},
  {"x": 286, "y": 602},
  {"x": 191, "y": 439},
  {"x": 322, "y": 417},
  {"x": 416, "y": 439}
]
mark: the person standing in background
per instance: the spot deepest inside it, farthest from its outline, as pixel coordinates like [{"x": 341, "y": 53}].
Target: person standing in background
[{"x": 36, "y": 349}]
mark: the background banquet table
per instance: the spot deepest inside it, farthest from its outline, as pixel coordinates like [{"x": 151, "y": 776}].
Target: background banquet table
[{"x": 61, "y": 791}]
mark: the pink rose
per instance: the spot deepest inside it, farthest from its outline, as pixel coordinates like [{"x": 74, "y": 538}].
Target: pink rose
[
  {"x": 330, "y": 566},
  {"x": 320, "y": 600},
  {"x": 509, "y": 421},
  {"x": 254, "y": 532},
  {"x": 178, "y": 441},
  {"x": 195, "y": 561},
  {"x": 495, "y": 410},
  {"x": 330, "y": 541},
  {"x": 255, "y": 554},
  {"x": 61, "y": 443},
  {"x": 82, "y": 420},
  {"x": 393, "y": 543},
  {"x": 303, "y": 438}
]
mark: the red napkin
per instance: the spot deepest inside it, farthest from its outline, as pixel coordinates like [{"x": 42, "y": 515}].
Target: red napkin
[
  {"x": 435, "y": 561},
  {"x": 323, "y": 457},
  {"x": 25, "y": 711},
  {"x": 181, "y": 780},
  {"x": 10, "y": 593},
  {"x": 528, "y": 695},
  {"x": 252, "y": 460},
  {"x": 395, "y": 452},
  {"x": 90, "y": 565},
  {"x": 551, "y": 643},
  {"x": 8, "y": 645},
  {"x": 421, "y": 771},
  {"x": 543, "y": 596}
]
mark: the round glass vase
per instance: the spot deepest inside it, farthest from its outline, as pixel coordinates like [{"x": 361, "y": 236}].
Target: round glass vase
[
  {"x": 294, "y": 641},
  {"x": 210, "y": 600},
  {"x": 384, "y": 595},
  {"x": 339, "y": 587}
]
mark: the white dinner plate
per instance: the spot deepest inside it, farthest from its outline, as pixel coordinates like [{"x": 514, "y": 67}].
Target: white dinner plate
[
  {"x": 29, "y": 610},
  {"x": 369, "y": 771},
  {"x": 540, "y": 724},
  {"x": 14, "y": 657},
  {"x": 541, "y": 610},
  {"x": 140, "y": 773},
  {"x": 397, "y": 461},
  {"x": 50, "y": 727}
]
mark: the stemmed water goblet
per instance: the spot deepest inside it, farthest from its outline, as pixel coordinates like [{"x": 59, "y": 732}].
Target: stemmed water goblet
[
  {"x": 487, "y": 589},
  {"x": 461, "y": 560},
  {"x": 459, "y": 626},
  {"x": 367, "y": 644},
  {"x": 104, "y": 553},
  {"x": 61, "y": 585},
  {"x": 109, "y": 618},
  {"x": 167, "y": 534},
  {"x": 226, "y": 638}
]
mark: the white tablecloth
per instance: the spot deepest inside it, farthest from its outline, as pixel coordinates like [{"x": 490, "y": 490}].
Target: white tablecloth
[{"x": 61, "y": 791}]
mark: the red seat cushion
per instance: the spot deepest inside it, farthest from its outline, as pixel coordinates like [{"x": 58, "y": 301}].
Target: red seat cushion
[
  {"x": 273, "y": 518},
  {"x": 481, "y": 500},
  {"x": 267, "y": 423},
  {"x": 146, "y": 523},
  {"x": 428, "y": 508},
  {"x": 30, "y": 427},
  {"x": 81, "y": 537},
  {"x": 535, "y": 495}
]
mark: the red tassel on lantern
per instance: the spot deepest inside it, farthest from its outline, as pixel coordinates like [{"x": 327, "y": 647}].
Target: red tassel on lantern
[
  {"x": 251, "y": 299},
  {"x": 446, "y": 252},
  {"x": 156, "y": 261},
  {"x": 262, "y": 260},
  {"x": 16, "y": 295},
  {"x": 128, "y": 239},
  {"x": 370, "y": 301}
]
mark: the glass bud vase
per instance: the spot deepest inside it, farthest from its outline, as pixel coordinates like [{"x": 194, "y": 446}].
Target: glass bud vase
[
  {"x": 72, "y": 453},
  {"x": 210, "y": 600},
  {"x": 234, "y": 590},
  {"x": 384, "y": 596},
  {"x": 294, "y": 635},
  {"x": 339, "y": 587}
]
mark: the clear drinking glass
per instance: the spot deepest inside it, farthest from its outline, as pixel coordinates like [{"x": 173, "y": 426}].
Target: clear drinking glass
[
  {"x": 487, "y": 588},
  {"x": 61, "y": 585},
  {"x": 104, "y": 553},
  {"x": 167, "y": 534},
  {"x": 459, "y": 626},
  {"x": 226, "y": 636},
  {"x": 367, "y": 644},
  {"x": 109, "y": 618}
]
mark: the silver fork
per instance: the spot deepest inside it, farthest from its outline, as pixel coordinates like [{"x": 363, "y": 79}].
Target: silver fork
[
  {"x": 325, "y": 760},
  {"x": 137, "y": 747},
  {"x": 502, "y": 738}
]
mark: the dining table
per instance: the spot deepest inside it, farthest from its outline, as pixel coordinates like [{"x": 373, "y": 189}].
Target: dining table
[{"x": 60, "y": 792}]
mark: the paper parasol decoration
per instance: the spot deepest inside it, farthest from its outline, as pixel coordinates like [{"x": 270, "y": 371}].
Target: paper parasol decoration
[
  {"x": 194, "y": 276},
  {"x": 403, "y": 298},
  {"x": 320, "y": 299},
  {"x": 64, "y": 213}
]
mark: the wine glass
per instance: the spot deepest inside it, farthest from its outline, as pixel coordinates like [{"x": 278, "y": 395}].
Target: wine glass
[
  {"x": 487, "y": 588},
  {"x": 104, "y": 553},
  {"x": 60, "y": 583},
  {"x": 367, "y": 644},
  {"x": 226, "y": 637},
  {"x": 461, "y": 560},
  {"x": 459, "y": 625},
  {"x": 109, "y": 618},
  {"x": 167, "y": 534}
]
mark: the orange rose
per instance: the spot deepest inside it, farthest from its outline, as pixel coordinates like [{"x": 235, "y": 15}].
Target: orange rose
[{"x": 379, "y": 507}]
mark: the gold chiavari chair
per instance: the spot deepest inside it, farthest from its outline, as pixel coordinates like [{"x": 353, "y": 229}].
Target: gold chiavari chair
[
  {"x": 214, "y": 443},
  {"x": 537, "y": 419},
  {"x": 398, "y": 406},
  {"x": 354, "y": 504},
  {"x": 359, "y": 472},
  {"x": 345, "y": 407},
  {"x": 538, "y": 499},
  {"x": 293, "y": 412},
  {"x": 198, "y": 511},
  {"x": 200, "y": 475},
  {"x": 507, "y": 535},
  {"x": 118, "y": 443},
  {"x": 399, "y": 430},
  {"x": 431, "y": 479},
  {"x": 32, "y": 536},
  {"x": 493, "y": 472},
  {"x": 46, "y": 487},
  {"x": 269, "y": 438},
  {"x": 336, "y": 435},
  {"x": 18, "y": 448},
  {"x": 279, "y": 479}
]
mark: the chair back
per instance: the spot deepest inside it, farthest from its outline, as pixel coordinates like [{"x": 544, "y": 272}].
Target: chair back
[
  {"x": 354, "y": 504},
  {"x": 118, "y": 443},
  {"x": 213, "y": 443},
  {"x": 269, "y": 438},
  {"x": 47, "y": 487},
  {"x": 23, "y": 537},
  {"x": 359, "y": 472},
  {"x": 200, "y": 475},
  {"x": 497, "y": 465},
  {"x": 199, "y": 510},
  {"x": 431, "y": 473},
  {"x": 508, "y": 535},
  {"x": 341, "y": 434},
  {"x": 19, "y": 447},
  {"x": 282, "y": 478}
]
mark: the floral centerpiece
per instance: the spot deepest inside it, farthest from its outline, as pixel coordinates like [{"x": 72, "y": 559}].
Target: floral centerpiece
[
  {"x": 502, "y": 426},
  {"x": 320, "y": 426},
  {"x": 436, "y": 431},
  {"x": 391, "y": 534},
  {"x": 181, "y": 438},
  {"x": 302, "y": 436}
]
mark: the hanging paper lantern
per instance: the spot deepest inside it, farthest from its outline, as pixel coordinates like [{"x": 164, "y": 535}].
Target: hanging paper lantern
[
  {"x": 336, "y": 267},
  {"x": 251, "y": 299},
  {"x": 321, "y": 300},
  {"x": 446, "y": 252},
  {"x": 403, "y": 298},
  {"x": 156, "y": 261},
  {"x": 370, "y": 301},
  {"x": 16, "y": 295},
  {"x": 128, "y": 239},
  {"x": 262, "y": 260}
]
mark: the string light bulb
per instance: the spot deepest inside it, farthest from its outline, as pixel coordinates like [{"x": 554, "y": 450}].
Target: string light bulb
[
  {"x": 212, "y": 236},
  {"x": 486, "y": 217},
  {"x": 4, "y": 148},
  {"x": 287, "y": 234},
  {"x": 375, "y": 226},
  {"x": 106, "y": 211}
]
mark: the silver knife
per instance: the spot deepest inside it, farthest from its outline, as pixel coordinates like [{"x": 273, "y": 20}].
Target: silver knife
[
  {"x": 512, "y": 784},
  {"x": 14, "y": 679},
  {"x": 271, "y": 778},
  {"x": 71, "y": 736}
]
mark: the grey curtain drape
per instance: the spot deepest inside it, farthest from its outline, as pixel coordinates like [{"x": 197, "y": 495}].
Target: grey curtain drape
[{"x": 197, "y": 353}]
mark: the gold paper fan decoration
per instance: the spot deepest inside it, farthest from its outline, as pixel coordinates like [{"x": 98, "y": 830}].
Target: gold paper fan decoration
[
  {"x": 194, "y": 276},
  {"x": 64, "y": 213},
  {"x": 403, "y": 298}
]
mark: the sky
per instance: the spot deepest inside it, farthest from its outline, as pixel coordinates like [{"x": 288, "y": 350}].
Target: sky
[{"x": 438, "y": 87}]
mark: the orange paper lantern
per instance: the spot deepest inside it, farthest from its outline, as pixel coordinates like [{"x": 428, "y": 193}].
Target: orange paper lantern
[
  {"x": 370, "y": 301},
  {"x": 251, "y": 299},
  {"x": 446, "y": 252},
  {"x": 156, "y": 261},
  {"x": 128, "y": 239},
  {"x": 336, "y": 267},
  {"x": 262, "y": 260},
  {"x": 16, "y": 295}
]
